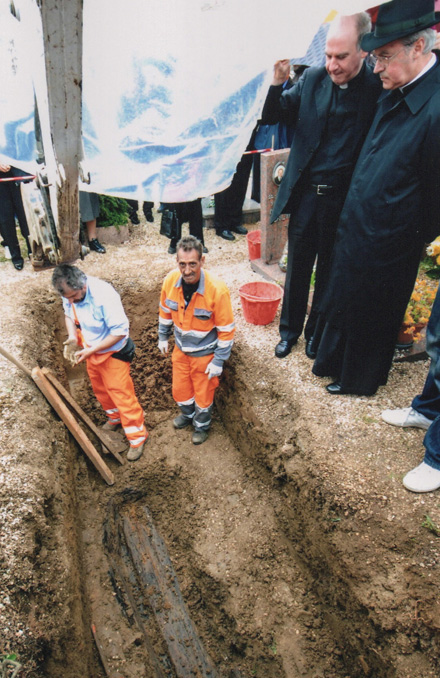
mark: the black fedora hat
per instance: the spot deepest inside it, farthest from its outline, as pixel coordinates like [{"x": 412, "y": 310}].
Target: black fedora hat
[{"x": 399, "y": 18}]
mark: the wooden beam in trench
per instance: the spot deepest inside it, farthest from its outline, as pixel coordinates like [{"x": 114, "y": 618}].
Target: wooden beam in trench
[
  {"x": 139, "y": 554},
  {"x": 112, "y": 446},
  {"x": 63, "y": 411}
]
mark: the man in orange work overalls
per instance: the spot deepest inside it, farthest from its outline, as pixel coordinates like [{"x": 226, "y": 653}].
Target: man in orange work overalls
[
  {"x": 199, "y": 307},
  {"x": 97, "y": 329}
]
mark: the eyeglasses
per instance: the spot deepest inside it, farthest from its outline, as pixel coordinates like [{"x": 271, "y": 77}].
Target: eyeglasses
[{"x": 383, "y": 60}]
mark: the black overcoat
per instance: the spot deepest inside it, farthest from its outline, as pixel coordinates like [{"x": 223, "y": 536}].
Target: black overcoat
[
  {"x": 391, "y": 209},
  {"x": 305, "y": 107}
]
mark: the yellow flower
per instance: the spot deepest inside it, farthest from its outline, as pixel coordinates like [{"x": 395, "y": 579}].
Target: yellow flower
[{"x": 434, "y": 248}]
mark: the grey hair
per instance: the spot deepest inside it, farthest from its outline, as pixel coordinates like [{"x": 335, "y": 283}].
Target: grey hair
[
  {"x": 66, "y": 275},
  {"x": 363, "y": 26},
  {"x": 429, "y": 36},
  {"x": 189, "y": 243}
]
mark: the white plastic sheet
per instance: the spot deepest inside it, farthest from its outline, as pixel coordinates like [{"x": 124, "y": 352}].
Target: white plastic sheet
[{"x": 171, "y": 90}]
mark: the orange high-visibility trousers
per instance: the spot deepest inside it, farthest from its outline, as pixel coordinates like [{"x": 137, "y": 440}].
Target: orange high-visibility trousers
[
  {"x": 113, "y": 387},
  {"x": 190, "y": 380}
]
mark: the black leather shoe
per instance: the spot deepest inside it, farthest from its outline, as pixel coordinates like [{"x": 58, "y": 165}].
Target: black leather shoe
[
  {"x": 241, "y": 230},
  {"x": 283, "y": 348},
  {"x": 310, "y": 352},
  {"x": 336, "y": 388},
  {"x": 205, "y": 249},
  {"x": 18, "y": 265},
  {"x": 96, "y": 246},
  {"x": 134, "y": 219},
  {"x": 171, "y": 250},
  {"x": 149, "y": 216},
  {"x": 226, "y": 235}
]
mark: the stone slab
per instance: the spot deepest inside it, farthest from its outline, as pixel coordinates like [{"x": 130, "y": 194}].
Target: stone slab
[
  {"x": 273, "y": 236},
  {"x": 270, "y": 272},
  {"x": 415, "y": 352},
  {"x": 251, "y": 212},
  {"x": 113, "y": 235}
]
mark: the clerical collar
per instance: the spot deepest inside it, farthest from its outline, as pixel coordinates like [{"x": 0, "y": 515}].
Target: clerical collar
[
  {"x": 431, "y": 63},
  {"x": 354, "y": 80}
]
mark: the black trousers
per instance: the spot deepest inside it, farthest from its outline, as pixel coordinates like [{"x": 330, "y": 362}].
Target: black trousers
[
  {"x": 147, "y": 206},
  {"x": 11, "y": 206},
  {"x": 228, "y": 208},
  {"x": 190, "y": 212},
  {"x": 311, "y": 235}
]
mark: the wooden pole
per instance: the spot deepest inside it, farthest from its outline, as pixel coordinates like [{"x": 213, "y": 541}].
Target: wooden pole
[
  {"x": 63, "y": 411},
  {"x": 62, "y": 34},
  {"x": 16, "y": 362}
]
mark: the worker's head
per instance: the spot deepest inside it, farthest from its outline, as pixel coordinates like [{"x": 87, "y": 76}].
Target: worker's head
[
  {"x": 343, "y": 54},
  {"x": 70, "y": 282},
  {"x": 402, "y": 40},
  {"x": 190, "y": 259}
]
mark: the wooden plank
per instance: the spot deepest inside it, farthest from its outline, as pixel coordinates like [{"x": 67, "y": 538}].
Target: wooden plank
[
  {"x": 161, "y": 590},
  {"x": 113, "y": 446},
  {"x": 63, "y": 411},
  {"x": 108, "y": 670},
  {"x": 139, "y": 558}
]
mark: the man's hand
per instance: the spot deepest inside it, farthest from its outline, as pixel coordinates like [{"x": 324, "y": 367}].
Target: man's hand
[
  {"x": 84, "y": 353},
  {"x": 213, "y": 370},
  {"x": 163, "y": 346},
  {"x": 281, "y": 71},
  {"x": 71, "y": 348}
]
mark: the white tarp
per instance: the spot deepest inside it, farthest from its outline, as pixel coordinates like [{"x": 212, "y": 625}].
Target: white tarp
[{"x": 171, "y": 90}]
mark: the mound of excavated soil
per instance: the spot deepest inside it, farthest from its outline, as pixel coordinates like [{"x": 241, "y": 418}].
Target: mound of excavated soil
[{"x": 297, "y": 549}]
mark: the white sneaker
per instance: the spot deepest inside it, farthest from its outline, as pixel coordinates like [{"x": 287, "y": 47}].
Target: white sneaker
[
  {"x": 406, "y": 417},
  {"x": 423, "y": 478},
  {"x": 7, "y": 252}
]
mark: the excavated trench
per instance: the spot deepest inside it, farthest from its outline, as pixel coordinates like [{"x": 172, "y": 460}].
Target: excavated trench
[{"x": 207, "y": 560}]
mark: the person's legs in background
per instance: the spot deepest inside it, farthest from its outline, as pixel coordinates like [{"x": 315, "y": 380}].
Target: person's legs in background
[
  {"x": 89, "y": 211},
  {"x": 147, "y": 208},
  {"x": 8, "y": 226}
]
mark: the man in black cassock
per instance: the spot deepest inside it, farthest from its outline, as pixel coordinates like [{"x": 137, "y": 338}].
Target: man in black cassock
[
  {"x": 330, "y": 110},
  {"x": 392, "y": 205}
]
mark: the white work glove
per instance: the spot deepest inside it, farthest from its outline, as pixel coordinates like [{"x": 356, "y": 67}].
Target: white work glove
[
  {"x": 71, "y": 348},
  {"x": 213, "y": 370},
  {"x": 163, "y": 346}
]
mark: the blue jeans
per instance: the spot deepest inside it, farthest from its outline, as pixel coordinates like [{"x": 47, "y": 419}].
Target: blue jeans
[
  {"x": 432, "y": 445},
  {"x": 428, "y": 402}
]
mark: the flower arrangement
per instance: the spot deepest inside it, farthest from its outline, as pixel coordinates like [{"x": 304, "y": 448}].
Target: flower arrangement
[
  {"x": 420, "y": 303},
  {"x": 418, "y": 310},
  {"x": 431, "y": 263},
  {"x": 433, "y": 250}
]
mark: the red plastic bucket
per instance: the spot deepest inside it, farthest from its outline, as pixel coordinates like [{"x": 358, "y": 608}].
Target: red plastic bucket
[
  {"x": 260, "y": 301},
  {"x": 254, "y": 244}
]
